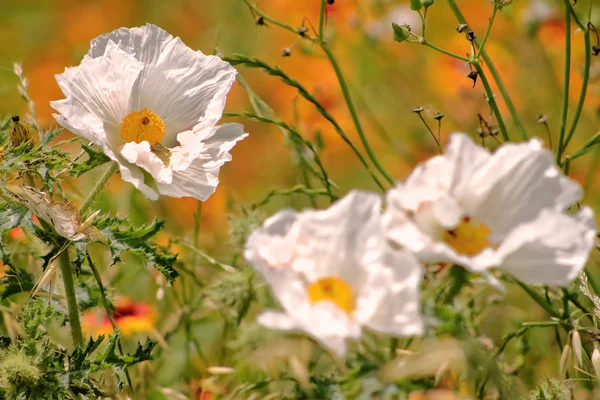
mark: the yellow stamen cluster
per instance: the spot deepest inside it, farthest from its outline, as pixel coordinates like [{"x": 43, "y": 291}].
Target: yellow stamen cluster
[
  {"x": 334, "y": 290},
  {"x": 467, "y": 238},
  {"x": 141, "y": 126}
]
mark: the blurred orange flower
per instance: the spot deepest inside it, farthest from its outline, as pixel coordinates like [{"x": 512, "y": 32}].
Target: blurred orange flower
[{"x": 130, "y": 318}]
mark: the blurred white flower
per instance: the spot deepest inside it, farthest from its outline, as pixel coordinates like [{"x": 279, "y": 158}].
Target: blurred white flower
[
  {"x": 539, "y": 11},
  {"x": 504, "y": 210},
  {"x": 333, "y": 272},
  {"x": 381, "y": 28},
  {"x": 152, "y": 104}
]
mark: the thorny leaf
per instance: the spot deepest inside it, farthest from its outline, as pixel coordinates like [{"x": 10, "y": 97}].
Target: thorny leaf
[
  {"x": 135, "y": 240},
  {"x": 95, "y": 159}
]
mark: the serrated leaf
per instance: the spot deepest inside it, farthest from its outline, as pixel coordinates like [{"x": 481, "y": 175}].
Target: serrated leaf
[
  {"x": 95, "y": 159},
  {"x": 135, "y": 240},
  {"x": 11, "y": 216},
  {"x": 50, "y": 135}
]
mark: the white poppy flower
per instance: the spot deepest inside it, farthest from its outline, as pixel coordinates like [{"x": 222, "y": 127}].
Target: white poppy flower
[
  {"x": 152, "y": 104},
  {"x": 482, "y": 210},
  {"x": 334, "y": 272}
]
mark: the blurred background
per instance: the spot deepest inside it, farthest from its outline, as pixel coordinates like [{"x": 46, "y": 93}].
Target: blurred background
[{"x": 386, "y": 80}]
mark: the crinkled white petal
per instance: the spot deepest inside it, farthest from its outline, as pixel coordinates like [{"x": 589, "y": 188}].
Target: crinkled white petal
[
  {"x": 99, "y": 92},
  {"x": 141, "y": 155},
  {"x": 389, "y": 302},
  {"x": 519, "y": 180},
  {"x": 550, "y": 250},
  {"x": 201, "y": 177},
  {"x": 184, "y": 87}
]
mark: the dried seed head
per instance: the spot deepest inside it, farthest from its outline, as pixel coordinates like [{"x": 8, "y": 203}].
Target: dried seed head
[
  {"x": 22, "y": 132},
  {"x": 260, "y": 20},
  {"x": 596, "y": 49},
  {"x": 542, "y": 118},
  {"x": 438, "y": 115},
  {"x": 302, "y": 30},
  {"x": 471, "y": 36},
  {"x": 418, "y": 109},
  {"x": 460, "y": 28},
  {"x": 286, "y": 52}
]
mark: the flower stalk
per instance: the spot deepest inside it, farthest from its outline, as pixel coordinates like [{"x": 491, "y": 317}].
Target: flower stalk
[
  {"x": 112, "y": 168},
  {"x": 64, "y": 263}
]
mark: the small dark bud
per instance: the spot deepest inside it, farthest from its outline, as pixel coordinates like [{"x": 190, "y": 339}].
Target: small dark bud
[
  {"x": 471, "y": 36},
  {"x": 418, "y": 109},
  {"x": 542, "y": 118},
  {"x": 330, "y": 2},
  {"x": 260, "y": 20},
  {"x": 438, "y": 115},
  {"x": 473, "y": 75},
  {"x": 596, "y": 49},
  {"x": 286, "y": 52},
  {"x": 15, "y": 118},
  {"x": 460, "y": 28},
  {"x": 302, "y": 30}
]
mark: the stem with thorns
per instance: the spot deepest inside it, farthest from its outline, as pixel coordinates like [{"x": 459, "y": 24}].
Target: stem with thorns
[{"x": 64, "y": 263}]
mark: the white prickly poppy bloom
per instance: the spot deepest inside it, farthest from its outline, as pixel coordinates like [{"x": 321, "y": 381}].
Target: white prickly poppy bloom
[
  {"x": 482, "y": 210},
  {"x": 152, "y": 104},
  {"x": 334, "y": 272}
]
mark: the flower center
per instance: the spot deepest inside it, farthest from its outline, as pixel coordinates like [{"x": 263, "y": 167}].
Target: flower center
[
  {"x": 334, "y": 290},
  {"x": 141, "y": 126},
  {"x": 467, "y": 238}
]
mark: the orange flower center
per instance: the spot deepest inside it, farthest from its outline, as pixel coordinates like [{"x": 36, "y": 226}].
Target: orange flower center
[
  {"x": 334, "y": 290},
  {"x": 467, "y": 238},
  {"x": 141, "y": 126}
]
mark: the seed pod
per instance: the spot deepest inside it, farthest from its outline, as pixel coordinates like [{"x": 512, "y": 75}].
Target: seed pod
[{"x": 23, "y": 132}]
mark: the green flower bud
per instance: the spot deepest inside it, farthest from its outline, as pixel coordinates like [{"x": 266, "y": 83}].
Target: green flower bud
[{"x": 401, "y": 33}]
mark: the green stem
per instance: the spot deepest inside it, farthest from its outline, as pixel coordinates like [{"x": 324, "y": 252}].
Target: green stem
[
  {"x": 353, "y": 113},
  {"x": 67, "y": 275},
  {"x": 108, "y": 311},
  {"x": 322, "y": 19},
  {"x": 278, "y": 23},
  {"x": 487, "y": 31},
  {"x": 492, "y": 100},
  {"x": 446, "y": 52},
  {"x": 112, "y": 168},
  {"x": 567, "y": 80},
  {"x": 538, "y": 299},
  {"x": 495, "y": 74},
  {"x": 584, "y": 86}
]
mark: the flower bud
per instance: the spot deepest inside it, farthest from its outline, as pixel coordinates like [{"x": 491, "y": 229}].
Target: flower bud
[
  {"x": 565, "y": 360},
  {"x": 596, "y": 361},
  {"x": 577, "y": 347},
  {"x": 401, "y": 33}
]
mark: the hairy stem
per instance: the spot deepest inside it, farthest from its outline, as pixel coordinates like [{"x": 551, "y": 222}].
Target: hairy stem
[
  {"x": 112, "y": 168},
  {"x": 67, "y": 275}
]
